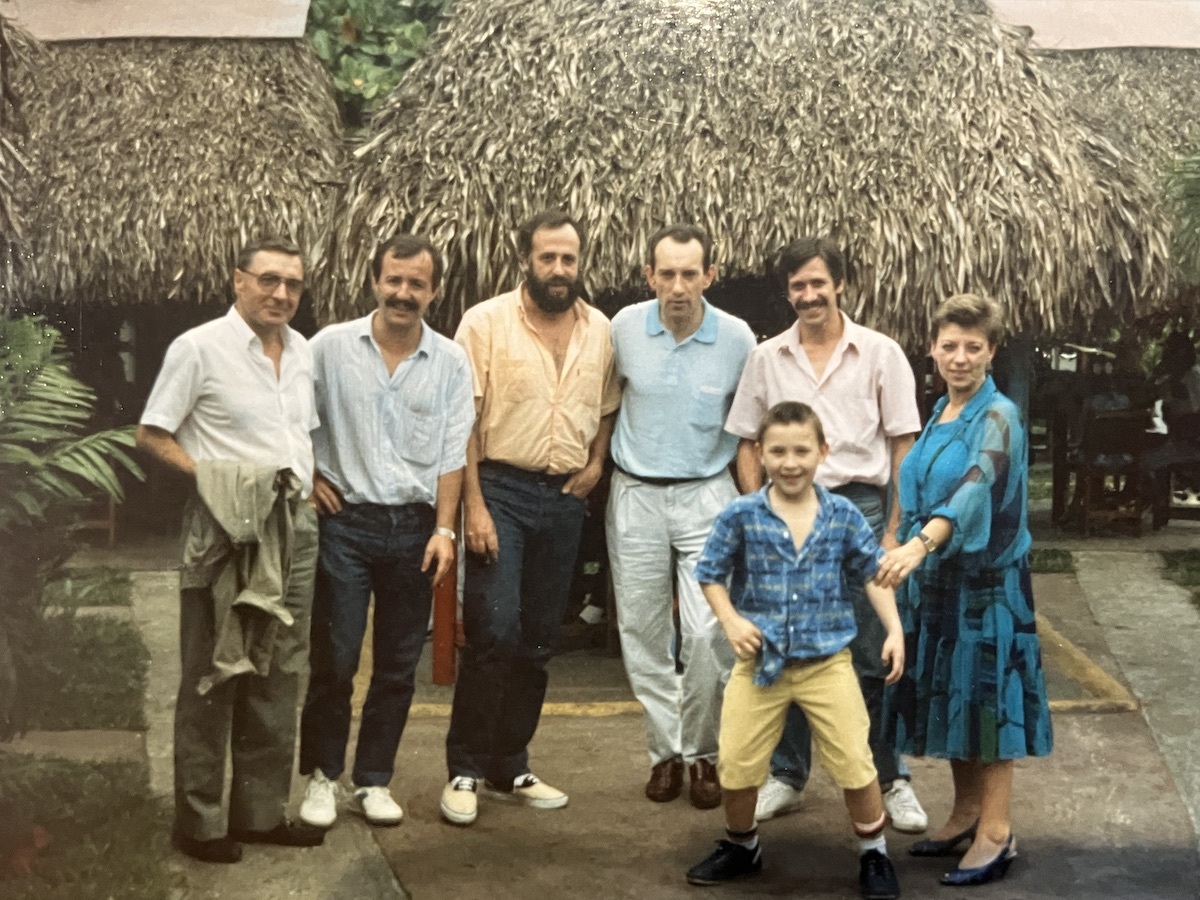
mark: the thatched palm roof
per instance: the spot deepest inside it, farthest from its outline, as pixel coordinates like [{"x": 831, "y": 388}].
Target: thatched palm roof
[
  {"x": 1144, "y": 100},
  {"x": 919, "y": 133},
  {"x": 14, "y": 44},
  {"x": 155, "y": 160}
]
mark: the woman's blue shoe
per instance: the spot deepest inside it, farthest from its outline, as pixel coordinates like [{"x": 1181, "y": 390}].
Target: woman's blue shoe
[
  {"x": 991, "y": 871},
  {"x": 948, "y": 847}
]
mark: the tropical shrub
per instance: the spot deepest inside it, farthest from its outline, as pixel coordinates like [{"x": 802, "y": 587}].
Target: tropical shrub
[
  {"x": 49, "y": 467},
  {"x": 367, "y": 45}
]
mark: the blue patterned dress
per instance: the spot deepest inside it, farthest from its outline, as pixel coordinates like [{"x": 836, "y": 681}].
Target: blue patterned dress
[{"x": 973, "y": 686}]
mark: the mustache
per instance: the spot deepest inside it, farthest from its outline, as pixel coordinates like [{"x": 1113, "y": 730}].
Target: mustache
[
  {"x": 809, "y": 304},
  {"x": 410, "y": 305}
]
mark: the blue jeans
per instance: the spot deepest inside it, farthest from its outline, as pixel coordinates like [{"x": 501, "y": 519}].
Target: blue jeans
[
  {"x": 365, "y": 549},
  {"x": 512, "y": 611},
  {"x": 792, "y": 760}
]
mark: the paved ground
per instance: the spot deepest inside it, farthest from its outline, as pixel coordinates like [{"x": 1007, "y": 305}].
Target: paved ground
[{"x": 1114, "y": 813}]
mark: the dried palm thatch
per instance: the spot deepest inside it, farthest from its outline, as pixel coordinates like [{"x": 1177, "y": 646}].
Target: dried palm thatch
[
  {"x": 155, "y": 160},
  {"x": 1144, "y": 100},
  {"x": 14, "y": 44},
  {"x": 919, "y": 133}
]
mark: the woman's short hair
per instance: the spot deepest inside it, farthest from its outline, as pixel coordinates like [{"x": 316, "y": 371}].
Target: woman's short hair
[
  {"x": 790, "y": 412},
  {"x": 970, "y": 311}
]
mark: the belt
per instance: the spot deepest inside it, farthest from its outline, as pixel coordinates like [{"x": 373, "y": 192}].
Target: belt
[
  {"x": 807, "y": 661},
  {"x": 658, "y": 482},
  {"x": 533, "y": 476}
]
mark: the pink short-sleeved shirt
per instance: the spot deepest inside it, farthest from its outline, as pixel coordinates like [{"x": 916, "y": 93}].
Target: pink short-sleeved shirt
[{"x": 866, "y": 395}]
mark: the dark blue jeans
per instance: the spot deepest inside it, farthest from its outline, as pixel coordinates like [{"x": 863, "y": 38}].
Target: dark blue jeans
[
  {"x": 792, "y": 760},
  {"x": 512, "y": 611},
  {"x": 365, "y": 549}
]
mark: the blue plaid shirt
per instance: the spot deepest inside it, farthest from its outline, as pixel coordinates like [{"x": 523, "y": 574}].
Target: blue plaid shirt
[{"x": 795, "y": 599}]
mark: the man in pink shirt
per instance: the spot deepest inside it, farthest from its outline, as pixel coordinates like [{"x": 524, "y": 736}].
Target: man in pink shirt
[{"x": 861, "y": 386}]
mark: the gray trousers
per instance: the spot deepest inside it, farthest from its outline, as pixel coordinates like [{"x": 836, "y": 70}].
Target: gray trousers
[{"x": 251, "y": 718}]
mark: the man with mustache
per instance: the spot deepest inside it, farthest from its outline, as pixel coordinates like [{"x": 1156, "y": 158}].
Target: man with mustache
[
  {"x": 545, "y": 400},
  {"x": 678, "y": 362},
  {"x": 862, "y": 388},
  {"x": 396, "y": 409}
]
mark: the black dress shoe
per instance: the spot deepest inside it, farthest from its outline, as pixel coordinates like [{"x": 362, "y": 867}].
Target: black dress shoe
[
  {"x": 948, "y": 847},
  {"x": 219, "y": 850},
  {"x": 989, "y": 871},
  {"x": 285, "y": 834},
  {"x": 877, "y": 877}
]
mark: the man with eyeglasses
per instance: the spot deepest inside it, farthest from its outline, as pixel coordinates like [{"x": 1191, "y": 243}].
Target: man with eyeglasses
[{"x": 232, "y": 409}]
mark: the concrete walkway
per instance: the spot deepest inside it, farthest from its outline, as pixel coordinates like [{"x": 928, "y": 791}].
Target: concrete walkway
[{"x": 1114, "y": 813}]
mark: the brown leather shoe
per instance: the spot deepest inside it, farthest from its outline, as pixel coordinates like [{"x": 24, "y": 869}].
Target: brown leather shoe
[
  {"x": 666, "y": 781},
  {"x": 705, "y": 789}
]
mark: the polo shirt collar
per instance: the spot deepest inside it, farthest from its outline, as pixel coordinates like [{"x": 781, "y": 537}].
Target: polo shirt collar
[{"x": 705, "y": 334}]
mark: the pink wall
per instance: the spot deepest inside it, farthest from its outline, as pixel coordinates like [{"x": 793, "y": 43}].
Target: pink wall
[
  {"x": 1078, "y": 24},
  {"x": 64, "y": 20}
]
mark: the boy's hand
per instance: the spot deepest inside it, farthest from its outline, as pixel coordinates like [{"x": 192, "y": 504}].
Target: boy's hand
[
  {"x": 744, "y": 636},
  {"x": 893, "y": 655}
]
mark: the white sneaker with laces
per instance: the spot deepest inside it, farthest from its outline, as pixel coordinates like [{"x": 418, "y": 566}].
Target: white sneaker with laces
[
  {"x": 529, "y": 790},
  {"x": 904, "y": 808},
  {"x": 776, "y": 798},
  {"x": 319, "y": 808},
  {"x": 460, "y": 804},
  {"x": 377, "y": 806}
]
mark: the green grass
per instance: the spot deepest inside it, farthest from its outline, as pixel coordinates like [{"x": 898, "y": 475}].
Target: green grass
[
  {"x": 108, "y": 839},
  {"x": 99, "y": 586},
  {"x": 1051, "y": 560},
  {"x": 1040, "y": 481},
  {"x": 1183, "y": 567},
  {"x": 89, "y": 672}
]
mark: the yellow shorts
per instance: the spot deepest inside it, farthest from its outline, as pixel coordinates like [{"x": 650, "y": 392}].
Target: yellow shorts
[{"x": 752, "y": 720}]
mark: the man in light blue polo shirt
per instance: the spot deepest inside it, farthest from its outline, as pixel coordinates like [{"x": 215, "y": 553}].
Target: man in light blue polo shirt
[
  {"x": 678, "y": 361},
  {"x": 396, "y": 405}
]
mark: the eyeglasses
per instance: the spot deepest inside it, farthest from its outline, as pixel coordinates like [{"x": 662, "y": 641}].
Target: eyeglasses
[{"x": 269, "y": 281}]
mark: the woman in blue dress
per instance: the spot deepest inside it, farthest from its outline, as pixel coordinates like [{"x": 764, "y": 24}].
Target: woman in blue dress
[{"x": 973, "y": 691}]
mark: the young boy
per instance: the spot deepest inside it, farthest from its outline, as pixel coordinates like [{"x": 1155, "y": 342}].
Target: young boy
[{"x": 784, "y": 551}]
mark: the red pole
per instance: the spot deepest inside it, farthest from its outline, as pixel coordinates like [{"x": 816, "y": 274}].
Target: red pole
[{"x": 445, "y": 627}]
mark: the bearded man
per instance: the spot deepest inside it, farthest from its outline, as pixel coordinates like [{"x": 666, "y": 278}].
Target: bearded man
[{"x": 545, "y": 398}]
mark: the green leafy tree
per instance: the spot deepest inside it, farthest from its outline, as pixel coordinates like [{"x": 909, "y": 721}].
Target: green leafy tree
[
  {"x": 1183, "y": 191},
  {"x": 367, "y": 45},
  {"x": 49, "y": 466}
]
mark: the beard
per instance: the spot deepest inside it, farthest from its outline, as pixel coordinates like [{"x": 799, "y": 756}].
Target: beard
[{"x": 546, "y": 300}]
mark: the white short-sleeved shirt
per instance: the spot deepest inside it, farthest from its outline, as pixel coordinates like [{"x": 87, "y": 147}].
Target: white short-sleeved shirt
[
  {"x": 866, "y": 394},
  {"x": 218, "y": 395}
]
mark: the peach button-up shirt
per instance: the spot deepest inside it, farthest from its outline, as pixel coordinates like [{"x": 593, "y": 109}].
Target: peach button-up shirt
[{"x": 530, "y": 415}]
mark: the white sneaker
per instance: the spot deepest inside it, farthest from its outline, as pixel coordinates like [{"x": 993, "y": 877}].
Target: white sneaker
[
  {"x": 377, "y": 806},
  {"x": 904, "y": 808},
  {"x": 319, "y": 808},
  {"x": 776, "y": 798},
  {"x": 460, "y": 805},
  {"x": 529, "y": 790}
]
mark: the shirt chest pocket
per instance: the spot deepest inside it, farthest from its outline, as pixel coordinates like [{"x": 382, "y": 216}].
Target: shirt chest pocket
[{"x": 422, "y": 437}]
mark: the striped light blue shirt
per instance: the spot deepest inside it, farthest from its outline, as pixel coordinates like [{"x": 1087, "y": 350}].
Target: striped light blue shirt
[
  {"x": 795, "y": 599},
  {"x": 387, "y": 439},
  {"x": 675, "y": 396}
]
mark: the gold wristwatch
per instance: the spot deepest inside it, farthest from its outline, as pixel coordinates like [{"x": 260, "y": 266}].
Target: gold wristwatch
[{"x": 930, "y": 544}]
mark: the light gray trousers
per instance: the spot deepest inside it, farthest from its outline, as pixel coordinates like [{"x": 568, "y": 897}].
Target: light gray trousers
[{"x": 655, "y": 534}]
